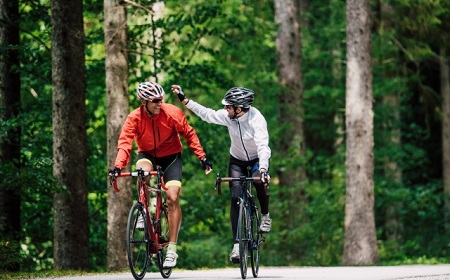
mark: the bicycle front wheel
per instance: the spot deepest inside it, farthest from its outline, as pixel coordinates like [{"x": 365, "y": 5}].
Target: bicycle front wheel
[
  {"x": 137, "y": 241},
  {"x": 256, "y": 240},
  {"x": 162, "y": 229},
  {"x": 243, "y": 227}
]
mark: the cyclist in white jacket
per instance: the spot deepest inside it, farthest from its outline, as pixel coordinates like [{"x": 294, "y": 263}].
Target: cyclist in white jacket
[{"x": 249, "y": 152}]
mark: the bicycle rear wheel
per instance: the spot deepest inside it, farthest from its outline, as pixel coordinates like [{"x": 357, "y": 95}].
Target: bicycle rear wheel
[
  {"x": 137, "y": 242},
  {"x": 162, "y": 228},
  {"x": 256, "y": 240},
  {"x": 243, "y": 225}
]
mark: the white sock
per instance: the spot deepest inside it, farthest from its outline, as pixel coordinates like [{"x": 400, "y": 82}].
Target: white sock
[{"x": 172, "y": 246}]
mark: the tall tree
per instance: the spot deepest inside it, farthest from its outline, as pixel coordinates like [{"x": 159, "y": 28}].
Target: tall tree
[
  {"x": 360, "y": 245},
  {"x": 10, "y": 106},
  {"x": 69, "y": 135},
  {"x": 292, "y": 144},
  {"x": 117, "y": 110}
]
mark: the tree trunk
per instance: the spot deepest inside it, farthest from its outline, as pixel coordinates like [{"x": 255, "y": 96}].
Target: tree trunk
[
  {"x": 117, "y": 110},
  {"x": 360, "y": 245},
  {"x": 71, "y": 244},
  {"x": 290, "y": 77},
  {"x": 292, "y": 143},
  {"x": 10, "y": 106},
  {"x": 445, "y": 91}
]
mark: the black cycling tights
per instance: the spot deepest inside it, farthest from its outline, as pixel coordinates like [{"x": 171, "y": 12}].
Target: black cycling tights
[{"x": 239, "y": 168}]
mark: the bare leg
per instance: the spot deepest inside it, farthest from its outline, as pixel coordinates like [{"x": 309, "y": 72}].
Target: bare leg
[
  {"x": 175, "y": 214},
  {"x": 174, "y": 218},
  {"x": 147, "y": 166}
]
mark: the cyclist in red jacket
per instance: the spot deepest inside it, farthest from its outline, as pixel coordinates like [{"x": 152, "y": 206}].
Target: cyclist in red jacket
[{"x": 156, "y": 127}]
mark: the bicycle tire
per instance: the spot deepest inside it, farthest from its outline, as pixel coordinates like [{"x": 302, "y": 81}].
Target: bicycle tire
[
  {"x": 243, "y": 238},
  {"x": 162, "y": 228},
  {"x": 137, "y": 242},
  {"x": 256, "y": 239}
]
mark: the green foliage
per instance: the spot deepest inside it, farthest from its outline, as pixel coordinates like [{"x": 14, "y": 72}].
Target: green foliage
[
  {"x": 37, "y": 248},
  {"x": 193, "y": 256},
  {"x": 8, "y": 256},
  {"x": 323, "y": 68},
  {"x": 318, "y": 237},
  {"x": 97, "y": 229},
  {"x": 423, "y": 237},
  {"x": 424, "y": 207},
  {"x": 36, "y": 210},
  {"x": 205, "y": 226}
]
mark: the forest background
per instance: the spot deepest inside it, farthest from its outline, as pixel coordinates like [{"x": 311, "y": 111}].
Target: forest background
[{"x": 209, "y": 46}]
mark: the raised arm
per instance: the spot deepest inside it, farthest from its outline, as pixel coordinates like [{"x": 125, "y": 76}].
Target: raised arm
[{"x": 208, "y": 115}]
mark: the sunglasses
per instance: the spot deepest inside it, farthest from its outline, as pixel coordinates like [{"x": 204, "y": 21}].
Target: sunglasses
[{"x": 156, "y": 100}]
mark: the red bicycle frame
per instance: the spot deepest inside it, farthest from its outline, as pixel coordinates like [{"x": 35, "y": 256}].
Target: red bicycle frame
[{"x": 153, "y": 232}]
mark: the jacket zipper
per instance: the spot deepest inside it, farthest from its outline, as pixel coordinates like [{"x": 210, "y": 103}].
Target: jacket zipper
[
  {"x": 242, "y": 140},
  {"x": 154, "y": 137}
]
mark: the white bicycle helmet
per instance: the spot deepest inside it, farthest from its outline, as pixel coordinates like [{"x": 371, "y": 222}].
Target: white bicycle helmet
[{"x": 149, "y": 91}]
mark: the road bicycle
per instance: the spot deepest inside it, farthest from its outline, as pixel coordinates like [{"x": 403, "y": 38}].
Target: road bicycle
[
  {"x": 147, "y": 228},
  {"x": 248, "y": 234}
]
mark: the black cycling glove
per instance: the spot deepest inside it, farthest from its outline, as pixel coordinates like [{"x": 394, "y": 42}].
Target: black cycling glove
[
  {"x": 180, "y": 93},
  {"x": 115, "y": 171},
  {"x": 206, "y": 164}
]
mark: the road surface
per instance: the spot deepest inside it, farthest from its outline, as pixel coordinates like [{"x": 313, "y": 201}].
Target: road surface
[{"x": 403, "y": 272}]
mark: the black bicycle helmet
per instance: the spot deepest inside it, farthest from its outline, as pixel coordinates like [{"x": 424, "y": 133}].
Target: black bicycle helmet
[
  {"x": 239, "y": 97},
  {"x": 149, "y": 91}
]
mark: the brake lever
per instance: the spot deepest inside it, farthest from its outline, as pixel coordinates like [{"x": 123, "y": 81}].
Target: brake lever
[
  {"x": 266, "y": 177},
  {"x": 218, "y": 186}
]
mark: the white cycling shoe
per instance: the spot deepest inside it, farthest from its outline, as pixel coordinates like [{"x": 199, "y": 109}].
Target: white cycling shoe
[
  {"x": 234, "y": 255},
  {"x": 266, "y": 224},
  {"x": 171, "y": 259}
]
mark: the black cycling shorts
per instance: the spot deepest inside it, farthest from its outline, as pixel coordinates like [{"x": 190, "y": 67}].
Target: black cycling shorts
[
  {"x": 171, "y": 165},
  {"x": 237, "y": 168}
]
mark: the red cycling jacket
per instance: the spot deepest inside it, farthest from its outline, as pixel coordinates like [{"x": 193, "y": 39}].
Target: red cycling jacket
[{"x": 158, "y": 136}]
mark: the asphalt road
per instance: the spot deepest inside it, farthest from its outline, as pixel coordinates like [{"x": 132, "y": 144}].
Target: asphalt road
[{"x": 403, "y": 272}]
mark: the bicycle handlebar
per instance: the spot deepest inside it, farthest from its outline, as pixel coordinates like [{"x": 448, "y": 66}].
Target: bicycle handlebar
[
  {"x": 219, "y": 179},
  {"x": 138, "y": 173},
  {"x": 232, "y": 179}
]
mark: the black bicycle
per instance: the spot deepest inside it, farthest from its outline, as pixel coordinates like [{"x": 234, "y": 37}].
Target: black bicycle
[{"x": 248, "y": 234}]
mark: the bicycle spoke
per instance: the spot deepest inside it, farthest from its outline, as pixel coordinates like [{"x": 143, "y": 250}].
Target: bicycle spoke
[
  {"x": 163, "y": 233},
  {"x": 243, "y": 239},
  {"x": 137, "y": 242},
  {"x": 256, "y": 240}
]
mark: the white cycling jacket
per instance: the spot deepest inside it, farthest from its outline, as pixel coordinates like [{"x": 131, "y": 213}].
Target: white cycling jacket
[{"x": 248, "y": 133}]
